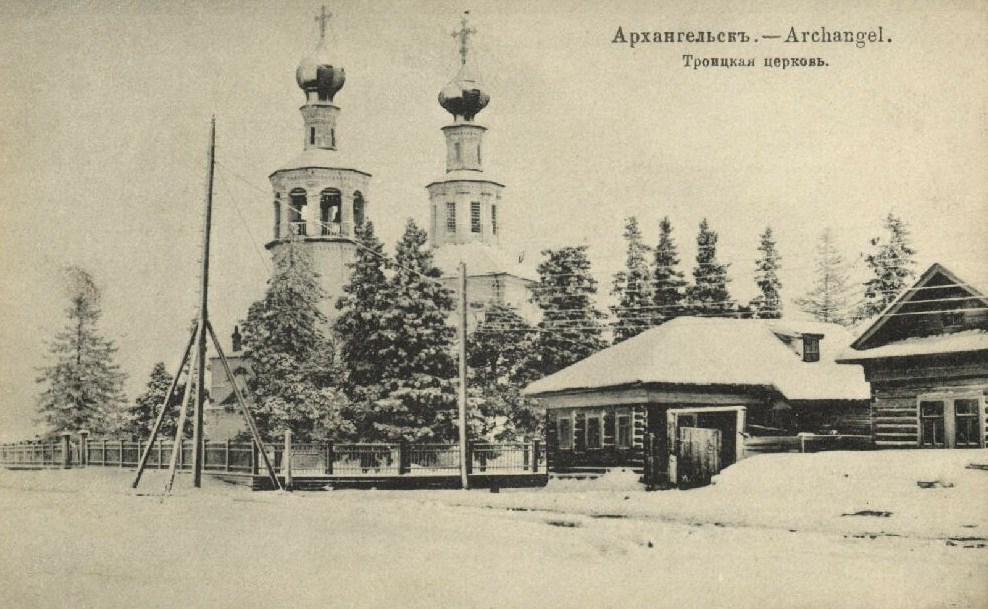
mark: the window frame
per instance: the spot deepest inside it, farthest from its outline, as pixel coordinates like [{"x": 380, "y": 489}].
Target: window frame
[
  {"x": 599, "y": 418},
  {"x": 570, "y": 438},
  {"x": 475, "y": 223},
  {"x": 617, "y": 429},
  {"x": 451, "y": 217},
  {"x": 949, "y": 400}
]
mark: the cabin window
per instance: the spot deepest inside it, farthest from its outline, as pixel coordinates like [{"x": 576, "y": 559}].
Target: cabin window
[
  {"x": 494, "y": 219},
  {"x": 623, "y": 438},
  {"x": 966, "y": 423},
  {"x": 475, "y": 217},
  {"x": 811, "y": 348},
  {"x": 595, "y": 431},
  {"x": 948, "y": 421},
  {"x": 450, "y": 217},
  {"x": 932, "y": 424},
  {"x": 564, "y": 432}
]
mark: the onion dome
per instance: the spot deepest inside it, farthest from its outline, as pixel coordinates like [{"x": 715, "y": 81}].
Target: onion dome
[
  {"x": 316, "y": 72},
  {"x": 464, "y": 96}
]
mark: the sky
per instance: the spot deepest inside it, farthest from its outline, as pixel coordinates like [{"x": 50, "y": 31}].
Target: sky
[{"x": 106, "y": 110}]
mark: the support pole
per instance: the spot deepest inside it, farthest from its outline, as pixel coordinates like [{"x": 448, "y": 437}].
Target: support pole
[
  {"x": 462, "y": 397},
  {"x": 243, "y": 407},
  {"x": 197, "y": 430},
  {"x": 164, "y": 408},
  {"x": 180, "y": 425}
]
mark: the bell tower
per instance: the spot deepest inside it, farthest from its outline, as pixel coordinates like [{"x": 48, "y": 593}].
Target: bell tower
[
  {"x": 464, "y": 203},
  {"x": 319, "y": 198}
]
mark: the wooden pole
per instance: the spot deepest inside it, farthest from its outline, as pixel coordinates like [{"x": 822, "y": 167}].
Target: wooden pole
[
  {"x": 243, "y": 407},
  {"x": 161, "y": 412},
  {"x": 180, "y": 425},
  {"x": 197, "y": 430},
  {"x": 286, "y": 461},
  {"x": 462, "y": 397}
]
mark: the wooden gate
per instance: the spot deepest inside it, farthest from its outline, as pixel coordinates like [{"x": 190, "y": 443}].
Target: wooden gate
[{"x": 699, "y": 455}]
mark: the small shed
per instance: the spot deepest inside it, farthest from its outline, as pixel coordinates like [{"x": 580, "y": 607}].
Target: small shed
[
  {"x": 780, "y": 373},
  {"x": 926, "y": 357}
]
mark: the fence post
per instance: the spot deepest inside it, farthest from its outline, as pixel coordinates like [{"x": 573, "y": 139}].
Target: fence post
[
  {"x": 254, "y": 457},
  {"x": 286, "y": 460},
  {"x": 120, "y": 453},
  {"x": 181, "y": 450},
  {"x": 138, "y": 452},
  {"x": 469, "y": 453},
  {"x": 83, "y": 447},
  {"x": 330, "y": 457},
  {"x": 226, "y": 455},
  {"x": 66, "y": 449},
  {"x": 161, "y": 453},
  {"x": 404, "y": 457},
  {"x": 103, "y": 460},
  {"x": 536, "y": 449}
]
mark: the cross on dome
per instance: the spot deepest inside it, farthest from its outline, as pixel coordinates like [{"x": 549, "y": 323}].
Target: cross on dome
[
  {"x": 323, "y": 18},
  {"x": 464, "y": 35}
]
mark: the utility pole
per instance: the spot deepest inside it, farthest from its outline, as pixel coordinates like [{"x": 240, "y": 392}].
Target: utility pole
[
  {"x": 197, "y": 431},
  {"x": 462, "y": 397}
]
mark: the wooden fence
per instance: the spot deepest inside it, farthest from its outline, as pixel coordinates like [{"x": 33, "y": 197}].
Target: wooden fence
[{"x": 307, "y": 459}]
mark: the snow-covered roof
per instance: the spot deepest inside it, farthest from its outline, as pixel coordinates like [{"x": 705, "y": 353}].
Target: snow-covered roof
[
  {"x": 482, "y": 259},
  {"x": 969, "y": 340},
  {"x": 317, "y": 157},
  {"x": 719, "y": 351}
]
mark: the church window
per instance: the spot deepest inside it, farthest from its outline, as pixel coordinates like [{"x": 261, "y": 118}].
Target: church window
[
  {"x": 312, "y": 135},
  {"x": 332, "y": 137},
  {"x": 494, "y": 219},
  {"x": 450, "y": 217},
  {"x": 456, "y": 152},
  {"x": 358, "y": 208},
  {"x": 329, "y": 211},
  {"x": 478, "y": 154},
  {"x": 475, "y": 217}
]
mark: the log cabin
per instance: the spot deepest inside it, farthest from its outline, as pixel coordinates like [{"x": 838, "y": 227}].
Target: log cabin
[
  {"x": 745, "y": 377},
  {"x": 926, "y": 358}
]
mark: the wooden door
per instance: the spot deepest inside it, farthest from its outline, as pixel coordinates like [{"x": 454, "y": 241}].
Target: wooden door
[{"x": 699, "y": 455}]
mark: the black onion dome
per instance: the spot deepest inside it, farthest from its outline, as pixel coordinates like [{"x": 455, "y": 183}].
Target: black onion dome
[
  {"x": 317, "y": 73},
  {"x": 464, "y": 96}
]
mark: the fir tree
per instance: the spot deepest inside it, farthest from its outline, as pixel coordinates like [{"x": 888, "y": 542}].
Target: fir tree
[
  {"x": 891, "y": 265},
  {"x": 416, "y": 397},
  {"x": 827, "y": 300},
  {"x": 708, "y": 296},
  {"x": 82, "y": 384},
  {"x": 668, "y": 285},
  {"x": 768, "y": 303},
  {"x": 571, "y": 328},
  {"x": 362, "y": 306},
  {"x": 290, "y": 354},
  {"x": 147, "y": 406},
  {"x": 499, "y": 362},
  {"x": 631, "y": 286}
]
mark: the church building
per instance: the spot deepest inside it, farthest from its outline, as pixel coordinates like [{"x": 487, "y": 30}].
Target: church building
[{"x": 320, "y": 199}]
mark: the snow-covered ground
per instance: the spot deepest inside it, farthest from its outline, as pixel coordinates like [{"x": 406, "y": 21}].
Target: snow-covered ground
[{"x": 769, "y": 534}]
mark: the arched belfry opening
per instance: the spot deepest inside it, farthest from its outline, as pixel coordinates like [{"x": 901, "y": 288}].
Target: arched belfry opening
[
  {"x": 330, "y": 212},
  {"x": 296, "y": 204},
  {"x": 358, "y": 209}
]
